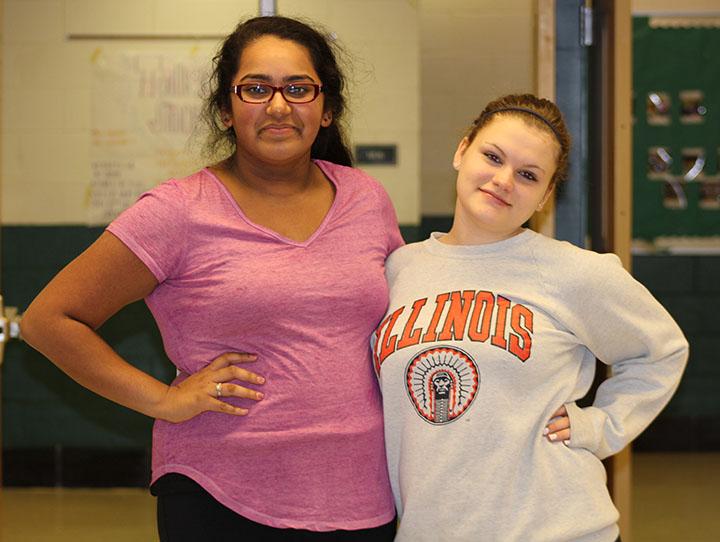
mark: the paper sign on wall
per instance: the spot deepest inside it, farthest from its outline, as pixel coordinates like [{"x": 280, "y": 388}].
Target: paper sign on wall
[{"x": 145, "y": 110}]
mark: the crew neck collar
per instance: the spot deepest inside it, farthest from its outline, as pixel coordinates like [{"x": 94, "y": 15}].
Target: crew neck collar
[{"x": 435, "y": 246}]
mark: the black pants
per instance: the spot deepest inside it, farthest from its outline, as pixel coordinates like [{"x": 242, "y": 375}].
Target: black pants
[{"x": 188, "y": 513}]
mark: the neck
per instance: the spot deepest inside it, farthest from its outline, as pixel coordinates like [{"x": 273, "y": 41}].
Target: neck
[
  {"x": 473, "y": 234},
  {"x": 282, "y": 178}
]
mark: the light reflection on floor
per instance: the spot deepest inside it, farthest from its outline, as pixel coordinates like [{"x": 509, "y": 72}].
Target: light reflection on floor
[{"x": 676, "y": 497}]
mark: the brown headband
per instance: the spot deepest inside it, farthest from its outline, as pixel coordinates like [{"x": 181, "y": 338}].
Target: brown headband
[{"x": 529, "y": 112}]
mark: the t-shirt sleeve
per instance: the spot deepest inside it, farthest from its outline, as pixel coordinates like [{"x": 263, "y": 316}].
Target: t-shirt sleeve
[
  {"x": 390, "y": 222},
  {"x": 624, "y": 326},
  {"x": 154, "y": 229}
]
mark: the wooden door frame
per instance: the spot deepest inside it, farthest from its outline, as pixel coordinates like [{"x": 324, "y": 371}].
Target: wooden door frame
[
  {"x": 613, "y": 37},
  {"x": 613, "y": 167},
  {"x": 2, "y": 309},
  {"x": 544, "y": 220}
]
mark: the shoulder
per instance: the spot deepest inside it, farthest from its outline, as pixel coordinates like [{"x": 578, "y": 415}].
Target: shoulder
[
  {"x": 350, "y": 177},
  {"x": 571, "y": 267},
  {"x": 168, "y": 202},
  {"x": 187, "y": 187},
  {"x": 174, "y": 190},
  {"x": 554, "y": 248},
  {"x": 199, "y": 194},
  {"x": 403, "y": 257},
  {"x": 362, "y": 195}
]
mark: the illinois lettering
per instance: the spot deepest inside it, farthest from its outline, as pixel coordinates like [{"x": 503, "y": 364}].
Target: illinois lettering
[{"x": 478, "y": 316}]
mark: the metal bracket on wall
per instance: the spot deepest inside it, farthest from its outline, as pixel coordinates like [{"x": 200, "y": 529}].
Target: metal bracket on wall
[
  {"x": 9, "y": 326},
  {"x": 586, "y": 24}
]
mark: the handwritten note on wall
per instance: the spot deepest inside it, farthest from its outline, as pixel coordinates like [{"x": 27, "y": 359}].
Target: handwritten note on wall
[{"x": 144, "y": 124}]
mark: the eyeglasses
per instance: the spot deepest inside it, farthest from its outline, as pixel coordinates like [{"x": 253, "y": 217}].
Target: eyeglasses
[{"x": 260, "y": 93}]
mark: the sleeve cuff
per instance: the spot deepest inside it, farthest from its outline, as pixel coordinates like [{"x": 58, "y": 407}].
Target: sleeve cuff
[{"x": 585, "y": 427}]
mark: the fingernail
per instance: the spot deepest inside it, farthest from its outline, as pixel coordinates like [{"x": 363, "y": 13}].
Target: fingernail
[
  {"x": 259, "y": 395},
  {"x": 553, "y": 437},
  {"x": 566, "y": 442},
  {"x": 260, "y": 380},
  {"x": 546, "y": 431}
]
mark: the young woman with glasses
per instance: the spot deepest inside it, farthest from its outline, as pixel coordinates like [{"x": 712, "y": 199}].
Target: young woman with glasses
[
  {"x": 491, "y": 337},
  {"x": 265, "y": 274}
]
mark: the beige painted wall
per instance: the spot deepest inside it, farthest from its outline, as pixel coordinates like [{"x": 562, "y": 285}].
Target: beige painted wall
[
  {"x": 422, "y": 71},
  {"x": 46, "y": 86},
  {"x": 46, "y": 90},
  {"x": 383, "y": 40},
  {"x": 471, "y": 53}
]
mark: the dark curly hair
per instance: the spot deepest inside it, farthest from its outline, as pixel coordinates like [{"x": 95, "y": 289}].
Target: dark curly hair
[
  {"x": 330, "y": 143},
  {"x": 538, "y": 112}
]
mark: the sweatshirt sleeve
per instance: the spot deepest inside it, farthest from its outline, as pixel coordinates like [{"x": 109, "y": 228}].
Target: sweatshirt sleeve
[
  {"x": 154, "y": 229},
  {"x": 624, "y": 326}
]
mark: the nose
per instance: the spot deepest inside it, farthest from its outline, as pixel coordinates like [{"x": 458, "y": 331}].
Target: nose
[
  {"x": 504, "y": 179},
  {"x": 278, "y": 105}
]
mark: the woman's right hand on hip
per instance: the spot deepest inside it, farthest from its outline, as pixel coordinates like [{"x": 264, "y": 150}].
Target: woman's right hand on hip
[{"x": 204, "y": 391}]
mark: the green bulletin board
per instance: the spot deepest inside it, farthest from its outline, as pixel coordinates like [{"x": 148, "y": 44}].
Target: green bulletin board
[{"x": 676, "y": 134}]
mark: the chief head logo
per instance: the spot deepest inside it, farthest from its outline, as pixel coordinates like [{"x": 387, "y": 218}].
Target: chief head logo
[{"x": 442, "y": 383}]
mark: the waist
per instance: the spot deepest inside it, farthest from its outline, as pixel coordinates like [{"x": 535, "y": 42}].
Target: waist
[
  {"x": 335, "y": 470},
  {"x": 281, "y": 419}
]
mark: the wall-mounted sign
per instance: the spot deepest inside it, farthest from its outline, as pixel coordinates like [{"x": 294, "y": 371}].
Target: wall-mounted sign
[{"x": 376, "y": 154}]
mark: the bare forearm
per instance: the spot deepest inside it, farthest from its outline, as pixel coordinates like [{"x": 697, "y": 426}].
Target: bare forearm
[
  {"x": 84, "y": 356},
  {"x": 61, "y": 324}
]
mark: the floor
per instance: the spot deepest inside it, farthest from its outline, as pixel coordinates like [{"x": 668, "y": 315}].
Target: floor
[{"x": 676, "y": 498}]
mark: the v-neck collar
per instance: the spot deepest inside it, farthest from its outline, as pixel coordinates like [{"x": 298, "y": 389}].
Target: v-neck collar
[{"x": 272, "y": 233}]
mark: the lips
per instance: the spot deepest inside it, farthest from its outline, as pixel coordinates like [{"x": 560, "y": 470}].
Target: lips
[
  {"x": 278, "y": 128},
  {"x": 495, "y": 197}
]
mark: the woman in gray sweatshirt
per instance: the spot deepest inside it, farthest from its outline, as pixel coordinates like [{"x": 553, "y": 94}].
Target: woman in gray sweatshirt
[{"x": 491, "y": 336}]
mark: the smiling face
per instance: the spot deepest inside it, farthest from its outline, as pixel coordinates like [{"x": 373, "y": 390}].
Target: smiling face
[
  {"x": 504, "y": 176},
  {"x": 276, "y": 131}
]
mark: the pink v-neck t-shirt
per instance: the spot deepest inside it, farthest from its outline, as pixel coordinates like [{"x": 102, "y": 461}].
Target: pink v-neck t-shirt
[{"x": 311, "y": 454}]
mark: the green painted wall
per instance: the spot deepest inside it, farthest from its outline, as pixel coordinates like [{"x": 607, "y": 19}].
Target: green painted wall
[
  {"x": 671, "y": 61},
  {"x": 42, "y": 408}
]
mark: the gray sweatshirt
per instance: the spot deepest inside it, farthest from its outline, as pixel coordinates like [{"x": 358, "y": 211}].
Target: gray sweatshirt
[{"x": 481, "y": 344}]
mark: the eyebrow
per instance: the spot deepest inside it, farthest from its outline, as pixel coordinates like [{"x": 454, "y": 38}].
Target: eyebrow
[
  {"x": 268, "y": 79},
  {"x": 530, "y": 166}
]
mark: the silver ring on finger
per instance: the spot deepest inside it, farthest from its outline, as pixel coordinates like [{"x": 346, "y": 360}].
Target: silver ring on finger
[{"x": 218, "y": 390}]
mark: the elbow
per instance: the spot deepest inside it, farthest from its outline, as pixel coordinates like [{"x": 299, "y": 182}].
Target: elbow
[
  {"x": 678, "y": 358},
  {"x": 34, "y": 325},
  {"x": 685, "y": 352},
  {"x": 682, "y": 350},
  {"x": 677, "y": 348},
  {"x": 28, "y": 326}
]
